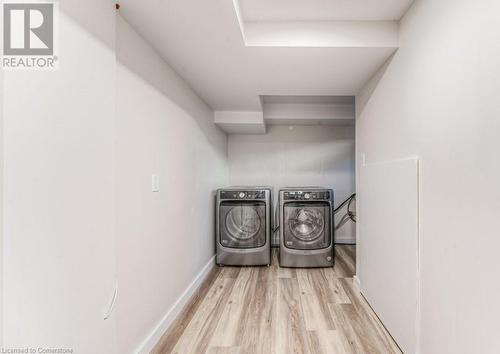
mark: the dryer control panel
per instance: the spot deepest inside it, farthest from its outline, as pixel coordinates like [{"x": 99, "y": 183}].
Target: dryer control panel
[
  {"x": 307, "y": 195},
  {"x": 243, "y": 195}
]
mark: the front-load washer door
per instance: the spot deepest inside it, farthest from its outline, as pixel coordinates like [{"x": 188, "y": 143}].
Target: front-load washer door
[
  {"x": 243, "y": 224},
  {"x": 307, "y": 225}
]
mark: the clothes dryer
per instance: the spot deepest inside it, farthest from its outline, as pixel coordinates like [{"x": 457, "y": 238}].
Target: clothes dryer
[
  {"x": 306, "y": 227},
  {"x": 243, "y": 226}
]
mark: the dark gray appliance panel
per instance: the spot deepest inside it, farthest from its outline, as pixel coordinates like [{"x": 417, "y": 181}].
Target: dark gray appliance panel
[
  {"x": 243, "y": 224},
  {"x": 307, "y": 225}
]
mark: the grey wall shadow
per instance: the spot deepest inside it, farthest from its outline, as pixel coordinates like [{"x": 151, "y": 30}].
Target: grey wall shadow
[{"x": 367, "y": 91}]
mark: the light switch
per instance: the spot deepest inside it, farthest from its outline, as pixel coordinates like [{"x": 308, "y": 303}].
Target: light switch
[{"x": 155, "y": 183}]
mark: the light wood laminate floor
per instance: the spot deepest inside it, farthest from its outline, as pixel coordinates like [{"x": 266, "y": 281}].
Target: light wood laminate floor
[{"x": 273, "y": 310}]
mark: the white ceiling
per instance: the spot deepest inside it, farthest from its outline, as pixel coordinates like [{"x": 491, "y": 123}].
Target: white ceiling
[
  {"x": 323, "y": 10},
  {"x": 308, "y": 110},
  {"x": 309, "y": 99},
  {"x": 203, "y": 42}
]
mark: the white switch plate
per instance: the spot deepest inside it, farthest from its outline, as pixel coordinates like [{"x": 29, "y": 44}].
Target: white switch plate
[{"x": 155, "y": 183}]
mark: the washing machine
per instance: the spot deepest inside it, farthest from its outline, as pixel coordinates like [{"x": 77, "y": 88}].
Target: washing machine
[
  {"x": 306, "y": 227},
  {"x": 243, "y": 226}
]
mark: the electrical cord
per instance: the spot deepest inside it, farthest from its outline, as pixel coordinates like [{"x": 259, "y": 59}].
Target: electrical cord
[
  {"x": 342, "y": 221},
  {"x": 352, "y": 214},
  {"x": 348, "y": 200},
  {"x": 349, "y": 215}
]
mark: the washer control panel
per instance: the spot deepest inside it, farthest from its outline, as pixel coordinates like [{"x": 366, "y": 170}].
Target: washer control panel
[
  {"x": 307, "y": 195},
  {"x": 243, "y": 195}
]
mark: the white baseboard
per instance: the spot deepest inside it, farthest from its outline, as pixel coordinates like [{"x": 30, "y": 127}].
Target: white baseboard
[
  {"x": 347, "y": 239},
  {"x": 148, "y": 344},
  {"x": 356, "y": 283}
]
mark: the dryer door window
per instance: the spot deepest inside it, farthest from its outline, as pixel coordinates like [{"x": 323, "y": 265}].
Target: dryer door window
[
  {"x": 243, "y": 224},
  {"x": 307, "y": 226}
]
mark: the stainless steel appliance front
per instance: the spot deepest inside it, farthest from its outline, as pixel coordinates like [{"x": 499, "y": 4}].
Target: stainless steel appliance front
[
  {"x": 306, "y": 231},
  {"x": 243, "y": 226}
]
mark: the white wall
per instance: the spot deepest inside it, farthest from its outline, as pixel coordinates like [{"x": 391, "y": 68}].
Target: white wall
[
  {"x": 438, "y": 99},
  {"x": 1, "y": 193},
  {"x": 303, "y": 155},
  {"x": 59, "y": 190},
  {"x": 81, "y": 144},
  {"x": 164, "y": 238}
]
